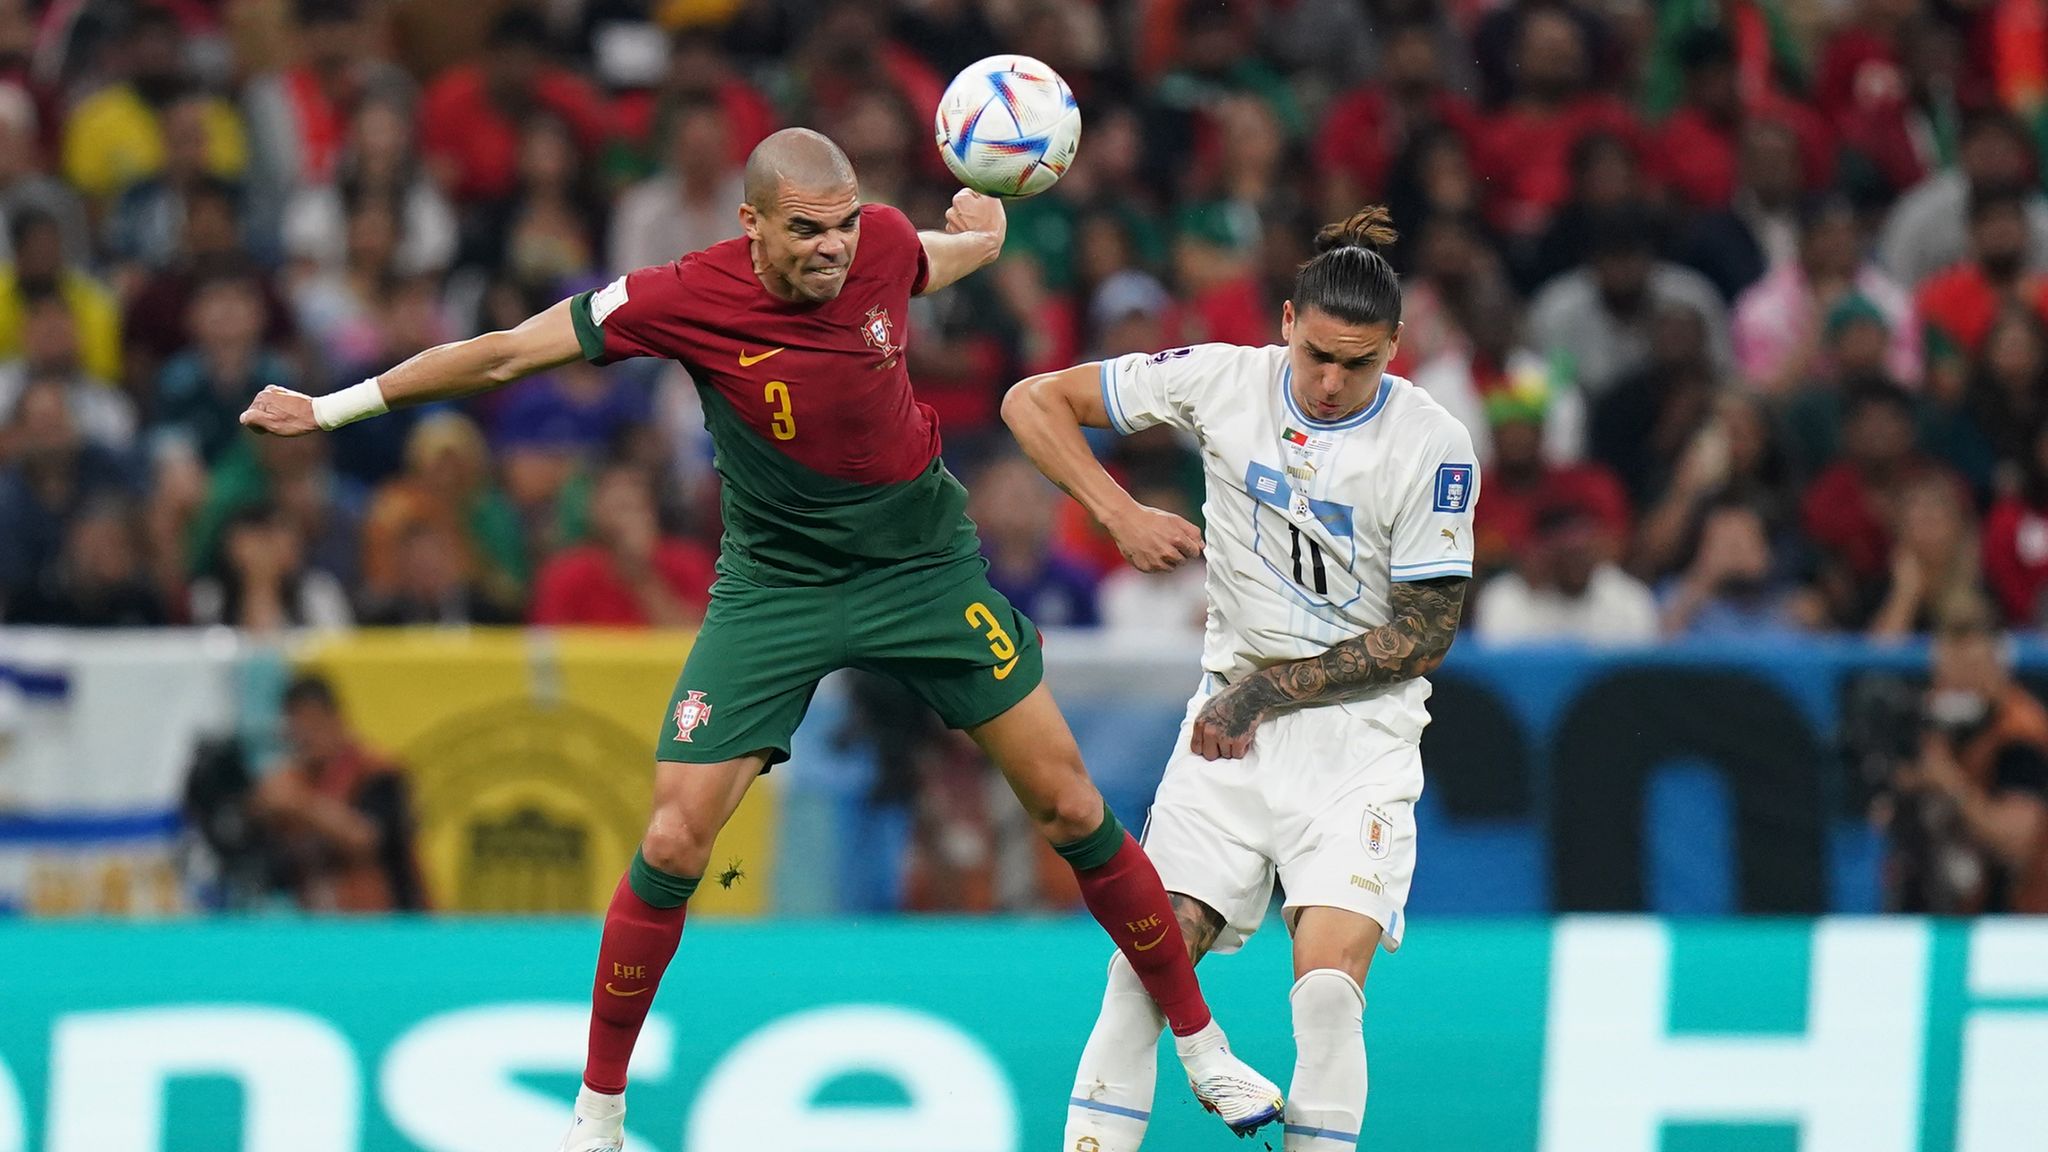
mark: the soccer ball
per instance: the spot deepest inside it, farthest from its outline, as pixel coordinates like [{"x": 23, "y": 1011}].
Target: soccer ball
[{"x": 1008, "y": 126}]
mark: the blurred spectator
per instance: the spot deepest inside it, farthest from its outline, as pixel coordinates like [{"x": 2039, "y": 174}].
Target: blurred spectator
[
  {"x": 846, "y": 51},
  {"x": 376, "y": 163},
  {"x": 1958, "y": 305},
  {"x": 201, "y": 392},
  {"x": 1456, "y": 285},
  {"x": 48, "y": 472},
  {"x": 1967, "y": 815},
  {"x": 1889, "y": 79},
  {"x": 2006, "y": 397},
  {"x": 296, "y": 476},
  {"x": 1013, "y": 506},
  {"x": 699, "y": 72},
  {"x": 1521, "y": 483},
  {"x": 1642, "y": 427},
  {"x": 1157, "y": 605},
  {"x": 2016, "y": 540},
  {"x": 430, "y": 588},
  {"x": 1855, "y": 342},
  {"x": 473, "y": 116},
  {"x": 1758, "y": 228},
  {"x": 447, "y": 482},
  {"x": 1847, "y": 509},
  {"x": 1934, "y": 560},
  {"x": 101, "y": 580},
  {"x": 1735, "y": 456},
  {"x": 1367, "y": 129},
  {"x": 1563, "y": 588},
  {"x": 340, "y": 309},
  {"x": 262, "y": 582},
  {"x": 1697, "y": 143},
  {"x": 39, "y": 270},
  {"x": 1928, "y": 229},
  {"x": 544, "y": 235},
  {"x": 1598, "y": 317},
  {"x": 1525, "y": 148},
  {"x": 578, "y": 407},
  {"x": 1778, "y": 321},
  {"x": 1606, "y": 180},
  {"x": 300, "y": 116},
  {"x": 26, "y": 185},
  {"x": 1432, "y": 180},
  {"x": 1211, "y": 66},
  {"x": 340, "y": 817},
  {"x": 143, "y": 228},
  {"x": 115, "y": 137},
  {"x": 1734, "y": 588},
  {"x": 630, "y": 575},
  {"x": 157, "y": 322},
  {"x": 49, "y": 351},
  {"x": 692, "y": 203}
]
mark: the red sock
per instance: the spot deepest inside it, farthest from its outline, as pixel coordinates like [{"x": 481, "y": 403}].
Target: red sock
[
  {"x": 1127, "y": 899},
  {"x": 639, "y": 941}
]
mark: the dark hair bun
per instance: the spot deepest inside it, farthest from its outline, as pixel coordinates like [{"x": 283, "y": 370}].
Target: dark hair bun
[{"x": 1371, "y": 228}]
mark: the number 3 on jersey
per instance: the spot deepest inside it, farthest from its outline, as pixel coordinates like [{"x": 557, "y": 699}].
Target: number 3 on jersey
[
  {"x": 998, "y": 637},
  {"x": 782, "y": 420}
]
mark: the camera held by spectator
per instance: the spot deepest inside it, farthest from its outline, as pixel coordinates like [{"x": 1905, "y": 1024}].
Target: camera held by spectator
[{"x": 1964, "y": 800}]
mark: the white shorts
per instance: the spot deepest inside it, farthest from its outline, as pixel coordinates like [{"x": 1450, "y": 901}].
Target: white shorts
[{"x": 1325, "y": 801}]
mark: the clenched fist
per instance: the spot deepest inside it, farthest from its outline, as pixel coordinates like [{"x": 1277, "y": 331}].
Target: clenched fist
[{"x": 280, "y": 412}]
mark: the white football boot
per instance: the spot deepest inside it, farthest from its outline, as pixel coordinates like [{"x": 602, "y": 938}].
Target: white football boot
[
  {"x": 1225, "y": 1085},
  {"x": 600, "y": 1123}
]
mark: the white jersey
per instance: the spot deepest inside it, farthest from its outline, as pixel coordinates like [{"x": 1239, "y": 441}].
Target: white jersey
[{"x": 1310, "y": 523}]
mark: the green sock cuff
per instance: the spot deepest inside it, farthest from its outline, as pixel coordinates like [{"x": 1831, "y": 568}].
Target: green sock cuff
[
  {"x": 1095, "y": 849},
  {"x": 658, "y": 888}
]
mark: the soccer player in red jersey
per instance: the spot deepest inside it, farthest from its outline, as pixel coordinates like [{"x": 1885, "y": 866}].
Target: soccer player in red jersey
[{"x": 846, "y": 545}]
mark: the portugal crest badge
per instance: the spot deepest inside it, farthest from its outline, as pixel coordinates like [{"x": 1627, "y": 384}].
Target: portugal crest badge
[
  {"x": 690, "y": 714},
  {"x": 880, "y": 333}
]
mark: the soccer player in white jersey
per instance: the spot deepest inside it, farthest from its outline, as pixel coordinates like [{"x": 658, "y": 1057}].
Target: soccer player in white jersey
[{"x": 1339, "y": 513}]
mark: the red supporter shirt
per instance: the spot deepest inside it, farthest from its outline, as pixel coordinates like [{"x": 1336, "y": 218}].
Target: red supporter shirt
[
  {"x": 459, "y": 124},
  {"x": 2016, "y": 559},
  {"x": 1365, "y": 131},
  {"x": 1961, "y": 305},
  {"x": 583, "y": 585},
  {"x": 1524, "y": 157},
  {"x": 1505, "y": 523},
  {"x": 1846, "y": 518}
]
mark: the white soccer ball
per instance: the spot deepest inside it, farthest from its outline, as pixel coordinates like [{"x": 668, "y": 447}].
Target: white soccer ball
[{"x": 1008, "y": 126}]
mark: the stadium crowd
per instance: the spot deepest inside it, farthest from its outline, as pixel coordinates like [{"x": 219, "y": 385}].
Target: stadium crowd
[{"x": 1745, "y": 303}]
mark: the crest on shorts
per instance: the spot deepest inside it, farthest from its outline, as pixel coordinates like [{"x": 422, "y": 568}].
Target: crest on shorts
[
  {"x": 690, "y": 713},
  {"x": 1377, "y": 833},
  {"x": 880, "y": 333}
]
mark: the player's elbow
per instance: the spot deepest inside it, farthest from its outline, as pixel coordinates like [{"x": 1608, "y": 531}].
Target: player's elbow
[
  {"x": 1023, "y": 404},
  {"x": 498, "y": 352},
  {"x": 1430, "y": 657}
]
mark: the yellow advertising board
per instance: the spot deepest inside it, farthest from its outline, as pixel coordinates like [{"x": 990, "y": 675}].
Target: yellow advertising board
[{"x": 532, "y": 759}]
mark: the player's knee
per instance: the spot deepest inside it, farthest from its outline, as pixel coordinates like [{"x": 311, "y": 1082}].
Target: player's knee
[
  {"x": 1069, "y": 814},
  {"x": 678, "y": 841}
]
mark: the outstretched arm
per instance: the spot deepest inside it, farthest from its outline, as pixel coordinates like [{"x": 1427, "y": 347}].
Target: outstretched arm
[
  {"x": 1046, "y": 413},
  {"x": 1410, "y": 644},
  {"x": 975, "y": 227},
  {"x": 478, "y": 364}
]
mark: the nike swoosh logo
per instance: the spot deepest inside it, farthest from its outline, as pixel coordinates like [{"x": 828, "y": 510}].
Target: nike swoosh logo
[
  {"x": 1153, "y": 944},
  {"x": 1003, "y": 670},
  {"x": 747, "y": 361},
  {"x": 614, "y": 991}
]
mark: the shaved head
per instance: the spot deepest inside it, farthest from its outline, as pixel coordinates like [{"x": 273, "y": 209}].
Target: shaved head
[{"x": 798, "y": 158}]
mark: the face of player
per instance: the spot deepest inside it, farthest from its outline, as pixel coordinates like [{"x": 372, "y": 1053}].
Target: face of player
[
  {"x": 805, "y": 240},
  {"x": 1337, "y": 364}
]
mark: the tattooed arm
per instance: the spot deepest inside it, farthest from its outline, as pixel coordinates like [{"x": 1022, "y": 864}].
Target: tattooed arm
[{"x": 1411, "y": 644}]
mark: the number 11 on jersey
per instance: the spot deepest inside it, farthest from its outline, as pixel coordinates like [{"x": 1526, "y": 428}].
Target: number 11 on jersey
[{"x": 782, "y": 421}]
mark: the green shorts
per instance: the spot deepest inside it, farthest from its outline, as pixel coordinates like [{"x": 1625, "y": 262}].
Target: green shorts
[{"x": 942, "y": 630}]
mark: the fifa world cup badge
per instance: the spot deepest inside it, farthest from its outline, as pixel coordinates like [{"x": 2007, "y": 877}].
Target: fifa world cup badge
[{"x": 691, "y": 713}]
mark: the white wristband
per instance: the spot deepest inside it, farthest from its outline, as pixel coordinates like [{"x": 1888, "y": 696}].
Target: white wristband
[{"x": 353, "y": 403}]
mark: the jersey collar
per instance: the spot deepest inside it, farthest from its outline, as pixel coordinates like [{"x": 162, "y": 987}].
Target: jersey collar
[{"x": 1379, "y": 401}]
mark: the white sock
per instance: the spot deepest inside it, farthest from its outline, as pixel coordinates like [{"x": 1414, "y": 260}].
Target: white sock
[
  {"x": 1326, "y": 1104},
  {"x": 1112, "y": 1097},
  {"x": 599, "y": 1105}
]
